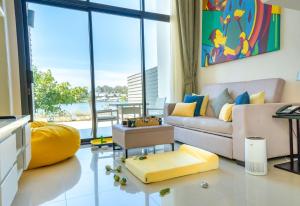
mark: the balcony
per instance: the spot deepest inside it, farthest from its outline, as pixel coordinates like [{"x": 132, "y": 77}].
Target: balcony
[{"x": 113, "y": 104}]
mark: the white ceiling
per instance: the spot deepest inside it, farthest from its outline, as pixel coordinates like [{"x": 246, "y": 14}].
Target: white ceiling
[{"x": 291, "y": 4}]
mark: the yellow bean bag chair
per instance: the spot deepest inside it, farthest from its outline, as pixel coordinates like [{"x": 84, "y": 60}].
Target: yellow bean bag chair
[
  {"x": 52, "y": 143},
  {"x": 185, "y": 161}
]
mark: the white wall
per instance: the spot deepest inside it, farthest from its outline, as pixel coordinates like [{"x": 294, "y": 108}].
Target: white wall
[
  {"x": 291, "y": 4},
  {"x": 284, "y": 63}
]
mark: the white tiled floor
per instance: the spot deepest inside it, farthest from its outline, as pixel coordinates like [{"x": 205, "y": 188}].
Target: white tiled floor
[{"x": 82, "y": 180}]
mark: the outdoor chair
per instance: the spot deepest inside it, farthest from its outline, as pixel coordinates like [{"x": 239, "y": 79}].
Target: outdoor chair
[
  {"x": 106, "y": 115},
  {"x": 134, "y": 111}
]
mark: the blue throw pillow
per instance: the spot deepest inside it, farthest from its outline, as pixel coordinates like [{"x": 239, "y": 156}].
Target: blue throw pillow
[
  {"x": 242, "y": 99},
  {"x": 194, "y": 98}
]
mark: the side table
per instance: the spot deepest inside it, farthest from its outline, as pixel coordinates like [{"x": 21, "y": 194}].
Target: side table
[{"x": 293, "y": 165}]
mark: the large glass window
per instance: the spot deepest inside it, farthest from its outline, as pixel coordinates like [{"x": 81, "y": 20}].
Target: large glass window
[
  {"x": 158, "y": 6},
  {"x": 117, "y": 54},
  {"x": 129, "y": 4},
  {"x": 61, "y": 51},
  {"x": 61, "y": 66},
  {"x": 157, "y": 63}
]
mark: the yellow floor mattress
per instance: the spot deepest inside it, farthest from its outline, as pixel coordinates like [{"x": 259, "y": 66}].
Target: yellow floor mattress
[{"x": 185, "y": 161}]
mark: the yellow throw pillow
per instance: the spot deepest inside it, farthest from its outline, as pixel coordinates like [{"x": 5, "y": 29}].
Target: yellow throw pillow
[
  {"x": 204, "y": 106},
  {"x": 258, "y": 98},
  {"x": 226, "y": 112},
  {"x": 184, "y": 109}
]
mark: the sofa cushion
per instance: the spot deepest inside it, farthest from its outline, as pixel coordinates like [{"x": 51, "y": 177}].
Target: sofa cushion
[
  {"x": 184, "y": 109},
  {"x": 204, "y": 106},
  {"x": 223, "y": 98},
  {"x": 226, "y": 113},
  {"x": 175, "y": 120},
  {"x": 272, "y": 87},
  {"x": 208, "y": 124},
  {"x": 258, "y": 98},
  {"x": 197, "y": 99},
  {"x": 242, "y": 99}
]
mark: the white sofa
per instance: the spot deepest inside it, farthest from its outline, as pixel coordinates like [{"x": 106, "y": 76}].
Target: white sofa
[{"x": 227, "y": 138}]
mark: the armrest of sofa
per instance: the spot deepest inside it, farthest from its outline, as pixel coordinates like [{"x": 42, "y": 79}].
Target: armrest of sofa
[
  {"x": 256, "y": 120},
  {"x": 168, "y": 109}
]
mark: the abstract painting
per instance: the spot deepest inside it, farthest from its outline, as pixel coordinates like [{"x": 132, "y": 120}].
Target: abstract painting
[{"x": 235, "y": 29}]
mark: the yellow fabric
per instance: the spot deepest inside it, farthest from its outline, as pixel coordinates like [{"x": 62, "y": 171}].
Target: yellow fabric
[
  {"x": 276, "y": 9},
  {"x": 258, "y": 98},
  {"x": 226, "y": 113},
  {"x": 204, "y": 106},
  {"x": 185, "y": 161},
  {"x": 37, "y": 124},
  {"x": 98, "y": 141},
  {"x": 184, "y": 109},
  {"x": 51, "y": 143}
]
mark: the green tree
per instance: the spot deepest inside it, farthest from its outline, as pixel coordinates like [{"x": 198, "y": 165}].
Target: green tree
[
  {"x": 121, "y": 89},
  {"x": 49, "y": 95},
  {"x": 98, "y": 90},
  {"x": 109, "y": 90}
]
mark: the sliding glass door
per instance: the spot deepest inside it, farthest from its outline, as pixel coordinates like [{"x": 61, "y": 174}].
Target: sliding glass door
[
  {"x": 117, "y": 56},
  {"x": 95, "y": 65},
  {"x": 60, "y": 63},
  {"x": 157, "y": 66}
]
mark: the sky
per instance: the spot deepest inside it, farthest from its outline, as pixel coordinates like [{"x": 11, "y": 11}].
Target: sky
[{"x": 60, "y": 42}]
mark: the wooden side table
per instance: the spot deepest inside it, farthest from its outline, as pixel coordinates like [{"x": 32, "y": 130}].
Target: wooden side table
[
  {"x": 136, "y": 137},
  {"x": 293, "y": 165}
]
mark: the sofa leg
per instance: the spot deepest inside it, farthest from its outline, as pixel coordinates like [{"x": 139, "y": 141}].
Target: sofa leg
[{"x": 240, "y": 163}]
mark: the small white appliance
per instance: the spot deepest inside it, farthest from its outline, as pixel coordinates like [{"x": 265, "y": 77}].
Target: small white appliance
[{"x": 256, "y": 156}]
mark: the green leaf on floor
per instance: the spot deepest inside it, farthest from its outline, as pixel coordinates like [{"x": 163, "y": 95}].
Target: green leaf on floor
[{"x": 164, "y": 192}]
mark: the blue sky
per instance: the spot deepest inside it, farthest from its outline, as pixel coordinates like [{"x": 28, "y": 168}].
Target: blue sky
[{"x": 60, "y": 42}]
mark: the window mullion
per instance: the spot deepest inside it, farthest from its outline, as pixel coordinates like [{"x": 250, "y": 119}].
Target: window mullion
[{"x": 143, "y": 5}]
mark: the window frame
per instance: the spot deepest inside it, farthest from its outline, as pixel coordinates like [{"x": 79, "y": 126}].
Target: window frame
[{"x": 26, "y": 78}]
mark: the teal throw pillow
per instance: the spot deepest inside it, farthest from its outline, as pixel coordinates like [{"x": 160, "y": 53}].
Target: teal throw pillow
[{"x": 197, "y": 99}]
